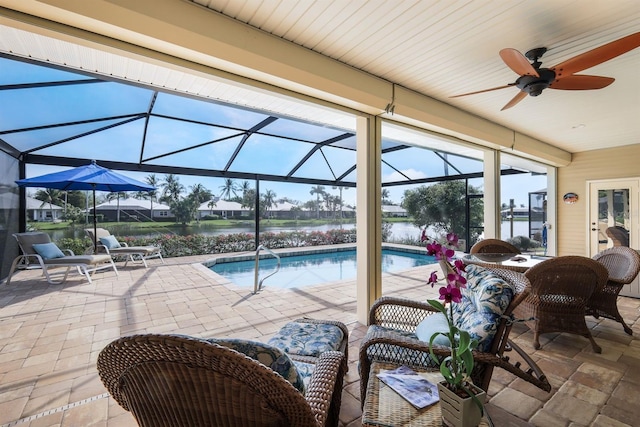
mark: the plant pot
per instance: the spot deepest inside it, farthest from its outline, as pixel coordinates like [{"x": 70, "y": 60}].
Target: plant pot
[{"x": 460, "y": 411}]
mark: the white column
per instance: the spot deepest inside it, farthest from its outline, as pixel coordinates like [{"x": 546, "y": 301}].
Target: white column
[
  {"x": 368, "y": 214},
  {"x": 491, "y": 194}
]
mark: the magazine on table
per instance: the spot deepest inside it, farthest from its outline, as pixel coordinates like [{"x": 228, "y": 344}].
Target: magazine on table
[{"x": 416, "y": 389}]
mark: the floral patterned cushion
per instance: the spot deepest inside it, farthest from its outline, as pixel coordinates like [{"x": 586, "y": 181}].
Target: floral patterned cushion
[
  {"x": 269, "y": 356},
  {"x": 483, "y": 301},
  {"x": 305, "y": 370},
  {"x": 307, "y": 339}
]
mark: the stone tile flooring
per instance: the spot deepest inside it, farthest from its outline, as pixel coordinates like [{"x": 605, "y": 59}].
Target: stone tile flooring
[{"x": 50, "y": 337}]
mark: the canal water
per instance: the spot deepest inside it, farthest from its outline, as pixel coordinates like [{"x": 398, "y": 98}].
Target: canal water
[{"x": 399, "y": 230}]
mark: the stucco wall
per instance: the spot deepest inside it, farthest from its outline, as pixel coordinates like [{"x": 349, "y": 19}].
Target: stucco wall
[{"x": 613, "y": 163}]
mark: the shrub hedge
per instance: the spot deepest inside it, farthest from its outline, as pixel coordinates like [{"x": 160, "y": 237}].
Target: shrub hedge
[{"x": 200, "y": 244}]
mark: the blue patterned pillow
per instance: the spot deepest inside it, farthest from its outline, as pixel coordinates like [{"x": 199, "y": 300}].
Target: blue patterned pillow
[
  {"x": 483, "y": 301},
  {"x": 266, "y": 354}
]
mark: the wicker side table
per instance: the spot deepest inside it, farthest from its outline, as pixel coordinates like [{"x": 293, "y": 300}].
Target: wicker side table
[{"x": 383, "y": 407}]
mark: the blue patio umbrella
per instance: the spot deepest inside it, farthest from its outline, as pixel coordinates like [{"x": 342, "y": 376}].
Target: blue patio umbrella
[{"x": 88, "y": 177}]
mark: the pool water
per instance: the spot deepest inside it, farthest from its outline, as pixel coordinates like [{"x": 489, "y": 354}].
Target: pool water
[{"x": 310, "y": 269}]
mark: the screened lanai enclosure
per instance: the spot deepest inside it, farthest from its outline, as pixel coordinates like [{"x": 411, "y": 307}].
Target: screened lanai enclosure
[{"x": 145, "y": 118}]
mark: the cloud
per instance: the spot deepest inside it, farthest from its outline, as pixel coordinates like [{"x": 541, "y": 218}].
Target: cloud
[{"x": 411, "y": 173}]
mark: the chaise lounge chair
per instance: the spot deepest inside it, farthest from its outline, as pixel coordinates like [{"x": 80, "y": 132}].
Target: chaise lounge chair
[
  {"x": 107, "y": 243},
  {"x": 39, "y": 252}
]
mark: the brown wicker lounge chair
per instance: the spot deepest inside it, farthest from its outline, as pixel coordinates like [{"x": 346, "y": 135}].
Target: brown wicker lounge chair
[
  {"x": 30, "y": 259},
  {"x": 393, "y": 322},
  {"x": 560, "y": 289},
  {"x": 493, "y": 246},
  {"x": 173, "y": 380},
  {"x": 623, "y": 265},
  {"x": 142, "y": 253}
]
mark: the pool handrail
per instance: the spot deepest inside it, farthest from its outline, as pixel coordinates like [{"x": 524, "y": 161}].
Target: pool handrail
[{"x": 258, "y": 285}]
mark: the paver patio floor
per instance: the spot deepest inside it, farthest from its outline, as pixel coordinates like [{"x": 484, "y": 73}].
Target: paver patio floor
[{"x": 50, "y": 337}]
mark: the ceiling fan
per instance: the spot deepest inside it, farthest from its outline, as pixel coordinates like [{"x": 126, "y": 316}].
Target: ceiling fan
[{"x": 533, "y": 79}]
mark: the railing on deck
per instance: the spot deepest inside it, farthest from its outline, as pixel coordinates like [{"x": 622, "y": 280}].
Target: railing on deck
[{"x": 258, "y": 285}]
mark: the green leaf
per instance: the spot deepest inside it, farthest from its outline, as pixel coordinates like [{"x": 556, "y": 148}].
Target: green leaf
[
  {"x": 465, "y": 341},
  {"x": 467, "y": 359},
  {"x": 437, "y": 305}
]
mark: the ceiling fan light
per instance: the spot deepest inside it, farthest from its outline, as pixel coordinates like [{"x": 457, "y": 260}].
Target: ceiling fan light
[{"x": 535, "y": 89}]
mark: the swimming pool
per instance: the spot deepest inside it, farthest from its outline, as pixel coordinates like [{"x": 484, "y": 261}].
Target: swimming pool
[{"x": 310, "y": 269}]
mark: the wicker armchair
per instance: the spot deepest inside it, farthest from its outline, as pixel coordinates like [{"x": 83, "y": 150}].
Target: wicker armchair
[
  {"x": 493, "y": 246},
  {"x": 560, "y": 289},
  {"x": 618, "y": 235},
  {"x": 623, "y": 265},
  {"x": 396, "y": 342},
  {"x": 173, "y": 380}
]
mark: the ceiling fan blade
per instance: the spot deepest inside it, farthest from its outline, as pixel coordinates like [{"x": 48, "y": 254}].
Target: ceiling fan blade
[
  {"x": 517, "y": 62},
  {"x": 482, "y": 91},
  {"x": 519, "y": 97},
  {"x": 597, "y": 56},
  {"x": 581, "y": 82}
]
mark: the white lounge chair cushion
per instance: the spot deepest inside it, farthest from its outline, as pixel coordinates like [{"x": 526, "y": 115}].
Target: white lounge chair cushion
[{"x": 79, "y": 259}]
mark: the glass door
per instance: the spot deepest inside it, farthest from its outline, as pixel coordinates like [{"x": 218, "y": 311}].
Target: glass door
[{"x": 613, "y": 219}]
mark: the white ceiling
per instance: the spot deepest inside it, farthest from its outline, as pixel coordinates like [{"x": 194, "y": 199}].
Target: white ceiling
[
  {"x": 437, "y": 48},
  {"x": 444, "y": 48}
]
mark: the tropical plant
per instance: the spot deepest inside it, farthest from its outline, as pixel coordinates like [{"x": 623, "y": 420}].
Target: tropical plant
[
  {"x": 249, "y": 199},
  {"x": 384, "y": 194},
  {"x": 228, "y": 188},
  {"x": 116, "y": 195},
  {"x": 171, "y": 188},
  {"x": 268, "y": 200},
  {"x": 184, "y": 209},
  {"x": 152, "y": 195},
  {"x": 441, "y": 207},
  {"x": 212, "y": 204},
  {"x": 200, "y": 194},
  {"x": 50, "y": 196},
  {"x": 318, "y": 190},
  {"x": 340, "y": 201}
]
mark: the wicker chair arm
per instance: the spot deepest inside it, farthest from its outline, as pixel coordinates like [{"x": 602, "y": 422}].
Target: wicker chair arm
[
  {"x": 387, "y": 346},
  {"x": 319, "y": 393},
  {"x": 399, "y": 313}
]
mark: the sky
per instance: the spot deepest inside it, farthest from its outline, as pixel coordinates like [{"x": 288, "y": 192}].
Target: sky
[
  {"x": 513, "y": 186},
  {"x": 179, "y": 122}
]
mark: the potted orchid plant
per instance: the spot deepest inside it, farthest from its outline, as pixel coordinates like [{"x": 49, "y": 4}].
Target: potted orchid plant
[{"x": 456, "y": 368}]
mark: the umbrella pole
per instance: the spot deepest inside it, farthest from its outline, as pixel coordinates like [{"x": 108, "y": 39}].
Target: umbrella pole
[{"x": 95, "y": 223}]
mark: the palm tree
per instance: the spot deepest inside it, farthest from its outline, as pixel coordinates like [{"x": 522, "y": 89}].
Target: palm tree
[
  {"x": 340, "y": 188},
  {"x": 318, "y": 190},
  {"x": 50, "y": 196},
  {"x": 153, "y": 194},
  {"x": 268, "y": 199},
  {"x": 116, "y": 195},
  {"x": 211, "y": 205},
  {"x": 171, "y": 188},
  {"x": 199, "y": 194},
  {"x": 228, "y": 188},
  {"x": 385, "y": 196}
]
